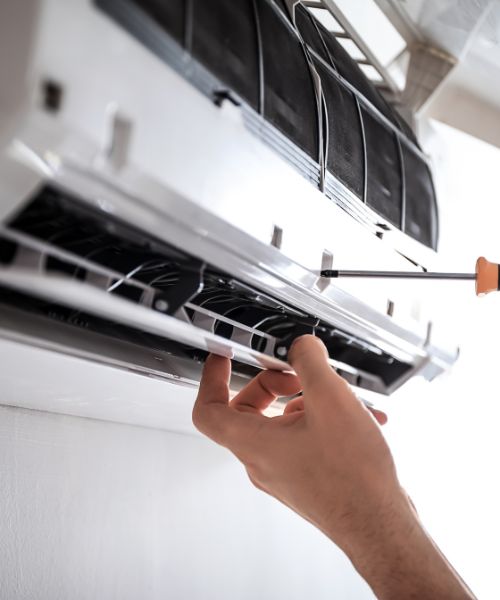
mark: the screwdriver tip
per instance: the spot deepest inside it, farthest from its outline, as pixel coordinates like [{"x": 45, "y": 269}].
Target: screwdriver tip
[{"x": 329, "y": 273}]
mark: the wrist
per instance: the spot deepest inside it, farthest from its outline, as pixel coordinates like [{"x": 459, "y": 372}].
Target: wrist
[
  {"x": 382, "y": 531},
  {"x": 384, "y": 541}
]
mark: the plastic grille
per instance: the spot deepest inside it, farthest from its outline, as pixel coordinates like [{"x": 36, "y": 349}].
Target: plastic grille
[
  {"x": 384, "y": 185},
  {"x": 421, "y": 211},
  {"x": 345, "y": 157},
  {"x": 309, "y": 32},
  {"x": 351, "y": 72},
  {"x": 282, "y": 5},
  {"x": 170, "y": 16},
  {"x": 289, "y": 98},
  {"x": 225, "y": 41}
]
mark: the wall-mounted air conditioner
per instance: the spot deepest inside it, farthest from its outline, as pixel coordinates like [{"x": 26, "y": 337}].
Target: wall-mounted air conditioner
[{"x": 174, "y": 176}]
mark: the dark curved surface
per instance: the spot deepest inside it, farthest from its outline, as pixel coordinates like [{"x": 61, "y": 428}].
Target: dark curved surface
[{"x": 255, "y": 54}]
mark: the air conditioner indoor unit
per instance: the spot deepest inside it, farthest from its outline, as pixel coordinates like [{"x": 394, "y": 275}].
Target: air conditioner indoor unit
[{"x": 175, "y": 175}]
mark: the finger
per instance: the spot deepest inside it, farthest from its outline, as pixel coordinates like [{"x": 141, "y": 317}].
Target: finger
[
  {"x": 309, "y": 358},
  {"x": 213, "y": 416},
  {"x": 295, "y": 405},
  {"x": 211, "y": 413},
  {"x": 264, "y": 388},
  {"x": 379, "y": 415},
  {"x": 214, "y": 384}
]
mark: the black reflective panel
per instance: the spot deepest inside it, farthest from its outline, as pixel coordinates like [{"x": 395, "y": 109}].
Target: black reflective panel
[
  {"x": 421, "y": 211},
  {"x": 170, "y": 15},
  {"x": 282, "y": 4},
  {"x": 348, "y": 68},
  {"x": 289, "y": 99},
  {"x": 225, "y": 41},
  {"x": 384, "y": 191},
  {"x": 309, "y": 32},
  {"x": 345, "y": 137}
]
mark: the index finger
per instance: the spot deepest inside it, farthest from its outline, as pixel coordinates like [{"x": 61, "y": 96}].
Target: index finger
[
  {"x": 214, "y": 416},
  {"x": 211, "y": 413}
]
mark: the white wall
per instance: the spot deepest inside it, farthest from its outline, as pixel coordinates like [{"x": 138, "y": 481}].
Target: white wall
[{"x": 95, "y": 510}]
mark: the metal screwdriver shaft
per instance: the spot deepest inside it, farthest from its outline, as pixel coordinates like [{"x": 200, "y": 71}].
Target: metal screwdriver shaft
[
  {"x": 397, "y": 274},
  {"x": 487, "y": 275}
]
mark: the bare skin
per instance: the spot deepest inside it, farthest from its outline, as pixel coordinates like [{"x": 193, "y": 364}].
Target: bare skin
[{"x": 326, "y": 459}]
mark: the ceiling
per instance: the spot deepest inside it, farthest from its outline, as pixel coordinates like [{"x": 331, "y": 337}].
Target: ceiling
[{"x": 469, "y": 30}]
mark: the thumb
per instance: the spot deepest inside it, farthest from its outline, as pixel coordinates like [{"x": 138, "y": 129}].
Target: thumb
[{"x": 309, "y": 358}]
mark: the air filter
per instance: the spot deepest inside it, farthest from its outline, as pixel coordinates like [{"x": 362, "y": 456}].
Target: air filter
[
  {"x": 302, "y": 94},
  {"x": 224, "y": 40}
]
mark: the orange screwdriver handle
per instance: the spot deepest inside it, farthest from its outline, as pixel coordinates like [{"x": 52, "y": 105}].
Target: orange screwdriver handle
[{"x": 487, "y": 276}]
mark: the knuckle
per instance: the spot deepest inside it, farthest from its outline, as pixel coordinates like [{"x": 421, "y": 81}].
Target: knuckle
[
  {"x": 253, "y": 472},
  {"x": 254, "y": 480},
  {"x": 197, "y": 418},
  {"x": 203, "y": 420}
]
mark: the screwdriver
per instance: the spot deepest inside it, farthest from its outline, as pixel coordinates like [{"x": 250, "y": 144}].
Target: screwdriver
[{"x": 487, "y": 275}]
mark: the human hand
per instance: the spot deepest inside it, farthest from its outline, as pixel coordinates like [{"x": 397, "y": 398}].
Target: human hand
[{"x": 325, "y": 457}]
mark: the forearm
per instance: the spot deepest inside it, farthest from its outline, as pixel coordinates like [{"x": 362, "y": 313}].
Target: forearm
[{"x": 400, "y": 561}]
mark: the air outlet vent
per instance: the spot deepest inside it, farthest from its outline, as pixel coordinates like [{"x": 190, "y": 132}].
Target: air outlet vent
[{"x": 65, "y": 236}]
